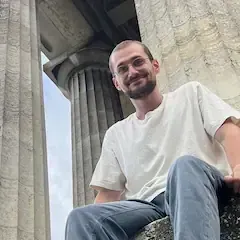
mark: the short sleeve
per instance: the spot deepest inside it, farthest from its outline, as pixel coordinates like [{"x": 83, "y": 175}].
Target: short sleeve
[
  {"x": 214, "y": 110},
  {"x": 107, "y": 173}
]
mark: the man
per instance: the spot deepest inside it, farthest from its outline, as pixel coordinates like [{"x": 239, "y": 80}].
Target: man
[{"x": 177, "y": 155}]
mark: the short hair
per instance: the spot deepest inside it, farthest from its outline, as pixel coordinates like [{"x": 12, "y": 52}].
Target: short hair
[{"x": 126, "y": 43}]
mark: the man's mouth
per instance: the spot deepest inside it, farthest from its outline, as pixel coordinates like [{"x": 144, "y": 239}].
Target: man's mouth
[{"x": 136, "y": 79}]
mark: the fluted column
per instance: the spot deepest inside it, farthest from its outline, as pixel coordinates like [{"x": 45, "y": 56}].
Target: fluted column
[
  {"x": 194, "y": 40},
  {"x": 24, "y": 207},
  {"x": 95, "y": 107}
]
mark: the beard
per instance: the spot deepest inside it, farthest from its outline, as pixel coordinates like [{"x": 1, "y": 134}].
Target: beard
[{"x": 142, "y": 91}]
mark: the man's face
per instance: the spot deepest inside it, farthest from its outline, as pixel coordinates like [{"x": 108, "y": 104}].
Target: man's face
[{"x": 134, "y": 72}]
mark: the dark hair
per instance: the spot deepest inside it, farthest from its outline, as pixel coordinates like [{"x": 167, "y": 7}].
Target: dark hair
[{"x": 126, "y": 43}]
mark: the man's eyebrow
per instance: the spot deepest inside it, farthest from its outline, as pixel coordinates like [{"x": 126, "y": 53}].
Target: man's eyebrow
[{"x": 132, "y": 58}]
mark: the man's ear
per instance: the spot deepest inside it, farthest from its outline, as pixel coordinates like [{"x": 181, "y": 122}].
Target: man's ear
[
  {"x": 115, "y": 82},
  {"x": 156, "y": 65}
]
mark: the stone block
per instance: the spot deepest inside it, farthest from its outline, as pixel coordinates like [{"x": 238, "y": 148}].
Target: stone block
[{"x": 230, "y": 225}]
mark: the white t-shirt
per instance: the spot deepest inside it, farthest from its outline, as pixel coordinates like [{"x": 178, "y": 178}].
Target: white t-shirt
[{"x": 137, "y": 154}]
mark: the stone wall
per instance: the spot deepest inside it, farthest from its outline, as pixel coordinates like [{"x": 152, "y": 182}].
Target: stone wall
[{"x": 194, "y": 40}]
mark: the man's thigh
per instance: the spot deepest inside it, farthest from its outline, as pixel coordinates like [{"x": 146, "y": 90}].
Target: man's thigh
[
  {"x": 123, "y": 217},
  {"x": 134, "y": 215}
]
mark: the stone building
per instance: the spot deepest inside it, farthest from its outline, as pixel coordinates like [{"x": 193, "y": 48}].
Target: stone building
[{"x": 193, "y": 40}]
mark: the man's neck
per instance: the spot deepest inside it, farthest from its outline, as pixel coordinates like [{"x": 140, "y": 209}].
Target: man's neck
[{"x": 148, "y": 103}]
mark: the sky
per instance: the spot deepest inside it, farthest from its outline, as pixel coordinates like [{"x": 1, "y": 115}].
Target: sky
[{"x": 58, "y": 131}]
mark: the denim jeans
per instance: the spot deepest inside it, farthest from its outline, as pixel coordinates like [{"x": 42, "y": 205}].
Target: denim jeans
[{"x": 194, "y": 195}]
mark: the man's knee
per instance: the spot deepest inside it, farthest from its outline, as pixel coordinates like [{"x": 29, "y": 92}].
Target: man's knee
[
  {"x": 78, "y": 223},
  {"x": 186, "y": 161},
  {"x": 75, "y": 214},
  {"x": 80, "y": 213},
  {"x": 185, "y": 164}
]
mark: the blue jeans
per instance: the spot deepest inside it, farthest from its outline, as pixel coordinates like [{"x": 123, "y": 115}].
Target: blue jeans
[{"x": 195, "y": 191}]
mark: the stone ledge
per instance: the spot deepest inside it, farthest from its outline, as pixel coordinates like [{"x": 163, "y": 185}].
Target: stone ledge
[{"x": 230, "y": 225}]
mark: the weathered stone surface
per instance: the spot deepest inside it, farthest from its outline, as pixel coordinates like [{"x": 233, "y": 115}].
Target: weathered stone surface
[
  {"x": 230, "y": 225},
  {"x": 63, "y": 28},
  {"x": 158, "y": 230},
  {"x": 194, "y": 40},
  {"x": 24, "y": 208},
  {"x": 230, "y": 220}
]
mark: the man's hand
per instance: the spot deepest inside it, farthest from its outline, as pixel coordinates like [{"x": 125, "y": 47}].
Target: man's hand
[{"x": 233, "y": 181}]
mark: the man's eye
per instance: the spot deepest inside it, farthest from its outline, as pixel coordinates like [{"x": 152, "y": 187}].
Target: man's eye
[
  {"x": 122, "y": 69},
  {"x": 138, "y": 62}
]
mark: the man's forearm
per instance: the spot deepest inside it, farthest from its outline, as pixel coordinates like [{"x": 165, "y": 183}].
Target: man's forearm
[
  {"x": 107, "y": 196},
  {"x": 231, "y": 146},
  {"x": 229, "y": 137}
]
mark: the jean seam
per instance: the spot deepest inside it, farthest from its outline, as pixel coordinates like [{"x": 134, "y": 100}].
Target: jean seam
[{"x": 206, "y": 236}]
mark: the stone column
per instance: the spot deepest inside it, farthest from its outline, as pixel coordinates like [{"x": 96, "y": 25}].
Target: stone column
[
  {"x": 95, "y": 106},
  {"x": 194, "y": 40},
  {"x": 24, "y": 206}
]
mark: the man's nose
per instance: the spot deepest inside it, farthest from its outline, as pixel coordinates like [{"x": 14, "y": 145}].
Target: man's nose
[{"x": 131, "y": 71}]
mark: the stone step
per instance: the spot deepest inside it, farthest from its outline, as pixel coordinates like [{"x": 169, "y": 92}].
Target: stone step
[{"x": 230, "y": 225}]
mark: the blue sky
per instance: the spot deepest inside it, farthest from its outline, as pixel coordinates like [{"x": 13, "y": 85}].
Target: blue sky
[{"x": 58, "y": 130}]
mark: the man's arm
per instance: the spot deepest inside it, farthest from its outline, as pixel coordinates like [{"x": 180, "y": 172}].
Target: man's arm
[
  {"x": 228, "y": 135},
  {"x": 105, "y": 195}
]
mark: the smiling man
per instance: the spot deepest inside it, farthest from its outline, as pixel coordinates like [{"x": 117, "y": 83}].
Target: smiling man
[{"x": 177, "y": 155}]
